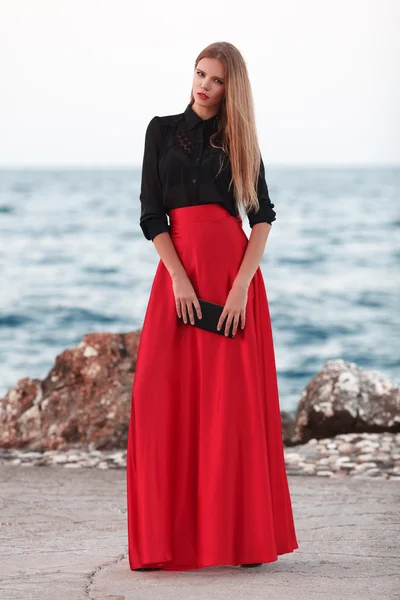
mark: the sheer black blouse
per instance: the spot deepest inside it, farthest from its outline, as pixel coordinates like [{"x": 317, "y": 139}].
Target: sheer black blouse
[{"x": 180, "y": 169}]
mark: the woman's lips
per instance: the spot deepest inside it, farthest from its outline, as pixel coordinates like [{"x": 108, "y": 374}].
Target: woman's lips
[{"x": 202, "y": 96}]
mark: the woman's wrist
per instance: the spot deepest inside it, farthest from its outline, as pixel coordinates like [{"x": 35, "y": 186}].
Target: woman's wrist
[
  {"x": 240, "y": 283},
  {"x": 176, "y": 275}
]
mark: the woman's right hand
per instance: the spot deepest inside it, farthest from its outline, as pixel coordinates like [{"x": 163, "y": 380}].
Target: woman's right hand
[{"x": 185, "y": 298}]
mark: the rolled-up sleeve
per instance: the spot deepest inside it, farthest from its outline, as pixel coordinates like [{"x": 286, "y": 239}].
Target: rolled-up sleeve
[
  {"x": 266, "y": 213},
  {"x": 153, "y": 217}
]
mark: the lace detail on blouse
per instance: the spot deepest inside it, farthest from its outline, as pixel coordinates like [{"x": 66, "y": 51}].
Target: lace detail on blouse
[{"x": 183, "y": 141}]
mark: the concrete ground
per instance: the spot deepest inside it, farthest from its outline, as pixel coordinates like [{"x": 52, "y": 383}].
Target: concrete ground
[{"x": 63, "y": 537}]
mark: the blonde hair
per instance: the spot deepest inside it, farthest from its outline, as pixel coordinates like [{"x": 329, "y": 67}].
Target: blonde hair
[{"x": 237, "y": 127}]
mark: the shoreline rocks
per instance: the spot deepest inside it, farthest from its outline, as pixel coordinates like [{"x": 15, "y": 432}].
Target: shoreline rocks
[
  {"x": 347, "y": 422},
  {"x": 347, "y": 454},
  {"x": 368, "y": 455}
]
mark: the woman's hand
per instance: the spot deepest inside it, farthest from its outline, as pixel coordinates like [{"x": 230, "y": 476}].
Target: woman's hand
[
  {"x": 185, "y": 298},
  {"x": 235, "y": 308}
]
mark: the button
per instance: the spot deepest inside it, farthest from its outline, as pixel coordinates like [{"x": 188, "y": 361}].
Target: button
[{"x": 194, "y": 180}]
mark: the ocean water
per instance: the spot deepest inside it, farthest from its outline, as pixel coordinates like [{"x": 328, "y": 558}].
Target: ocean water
[{"x": 73, "y": 260}]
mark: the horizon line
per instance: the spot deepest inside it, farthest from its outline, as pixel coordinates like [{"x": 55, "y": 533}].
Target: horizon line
[{"x": 310, "y": 165}]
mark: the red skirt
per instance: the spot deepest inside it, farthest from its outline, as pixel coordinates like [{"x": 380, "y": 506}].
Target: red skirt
[{"x": 206, "y": 478}]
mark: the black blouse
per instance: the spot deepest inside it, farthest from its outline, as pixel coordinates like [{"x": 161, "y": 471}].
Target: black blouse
[{"x": 180, "y": 169}]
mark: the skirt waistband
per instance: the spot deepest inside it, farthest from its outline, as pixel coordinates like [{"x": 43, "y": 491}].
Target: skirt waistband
[{"x": 200, "y": 212}]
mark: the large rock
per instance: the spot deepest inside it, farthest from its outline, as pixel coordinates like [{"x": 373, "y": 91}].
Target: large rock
[
  {"x": 343, "y": 398},
  {"x": 85, "y": 399}
]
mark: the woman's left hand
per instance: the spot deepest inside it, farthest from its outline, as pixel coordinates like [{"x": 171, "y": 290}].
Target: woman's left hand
[{"x": 234, "y": 309}]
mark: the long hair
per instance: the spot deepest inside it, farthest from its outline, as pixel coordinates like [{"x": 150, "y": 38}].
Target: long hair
[{"x": 237, "y": 128}]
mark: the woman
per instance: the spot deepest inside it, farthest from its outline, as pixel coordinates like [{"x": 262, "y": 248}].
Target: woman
[{"x": 206, "y": 479}]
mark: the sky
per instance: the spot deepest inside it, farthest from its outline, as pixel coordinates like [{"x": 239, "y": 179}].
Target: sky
[{"x": 81, "y": 79}]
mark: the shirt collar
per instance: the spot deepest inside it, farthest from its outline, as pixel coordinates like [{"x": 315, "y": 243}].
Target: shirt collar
[{"x": 193, "y": 118}]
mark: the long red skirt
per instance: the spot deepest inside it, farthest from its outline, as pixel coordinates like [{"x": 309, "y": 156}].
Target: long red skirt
[{"x": 206, "y": 478}]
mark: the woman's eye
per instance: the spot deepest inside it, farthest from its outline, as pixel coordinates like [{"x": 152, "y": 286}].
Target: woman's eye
[{"x": 200, "y": 73}]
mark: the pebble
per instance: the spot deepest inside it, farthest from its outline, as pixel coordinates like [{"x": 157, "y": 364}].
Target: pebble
[{"x": 358, "y": 455}]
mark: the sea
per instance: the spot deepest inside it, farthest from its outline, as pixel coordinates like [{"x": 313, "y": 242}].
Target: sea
[{"x": 74, "y": 260}]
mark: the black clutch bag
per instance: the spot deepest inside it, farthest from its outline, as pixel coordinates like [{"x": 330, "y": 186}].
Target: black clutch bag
[{"x": 210, "y": 313}]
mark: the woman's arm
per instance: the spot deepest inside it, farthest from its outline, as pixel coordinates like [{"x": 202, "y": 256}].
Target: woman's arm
[
  {"x": 154, "y": 224},
  {"x": 185, "y": 296},
  {"x": 260, "y": 223},
  {"x": 253, "y": 255},
  {"x": 153, "y": 218},
  {"x": 166, "y": 249}
]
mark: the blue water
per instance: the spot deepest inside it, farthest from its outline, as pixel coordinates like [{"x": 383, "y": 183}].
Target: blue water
[{"x": 74, "y": 260}]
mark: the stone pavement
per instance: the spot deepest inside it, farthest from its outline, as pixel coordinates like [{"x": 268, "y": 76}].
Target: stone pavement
[{"x": 63, "y": 537}]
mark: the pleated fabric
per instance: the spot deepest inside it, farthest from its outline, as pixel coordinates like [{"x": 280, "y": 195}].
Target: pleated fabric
[{"x": 206, "y": 478}]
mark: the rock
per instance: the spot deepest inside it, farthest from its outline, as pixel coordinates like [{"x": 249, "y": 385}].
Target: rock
[
  {"x": 349, "y": 466},
  {"x": 383, "y": 460},
  {"x": 84, "y": 400},
  {"x": 361, "y": 467},
  {"x": 343, "y": 398},
  {"x": 323, "y": 461},
  {"x": 309, "y": 469},
  {"x": 365, "y": 458},
  {"x": 374, "y": 472},
  {"x": 345, "y": 447},
  {"x": 287, "y": 423},
  {"x": 342, "y": 459},
  {"x": 292, "y": 457}
]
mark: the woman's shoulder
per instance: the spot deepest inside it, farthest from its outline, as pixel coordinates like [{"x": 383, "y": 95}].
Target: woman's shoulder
[
  {"x": 163, "y": 120},
  {"x": 162, "y": 126}
]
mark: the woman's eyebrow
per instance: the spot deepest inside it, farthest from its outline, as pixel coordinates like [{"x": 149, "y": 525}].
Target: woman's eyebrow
[{"x": 216, "y": 76}]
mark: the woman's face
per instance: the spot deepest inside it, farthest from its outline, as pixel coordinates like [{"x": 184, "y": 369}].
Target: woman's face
[{"x": 209, "y": 79}]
